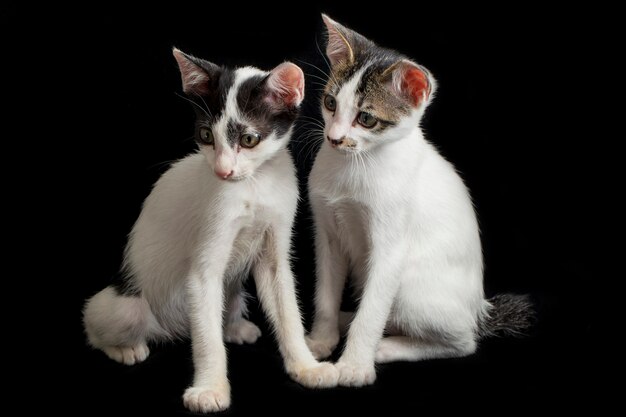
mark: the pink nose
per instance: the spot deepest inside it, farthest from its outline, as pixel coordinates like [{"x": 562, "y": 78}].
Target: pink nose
[{"x": 224, "y": 174}]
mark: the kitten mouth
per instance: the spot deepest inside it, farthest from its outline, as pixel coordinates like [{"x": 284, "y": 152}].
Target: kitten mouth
[{"x": 346, "y": 149}]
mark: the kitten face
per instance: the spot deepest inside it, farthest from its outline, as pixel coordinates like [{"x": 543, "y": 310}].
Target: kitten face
[
  {"x": 243, "y": 116},
  {"x": 374, "y": 95}
]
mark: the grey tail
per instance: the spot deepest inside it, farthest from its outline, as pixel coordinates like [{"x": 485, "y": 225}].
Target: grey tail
[{"x": 510, "y": 315}]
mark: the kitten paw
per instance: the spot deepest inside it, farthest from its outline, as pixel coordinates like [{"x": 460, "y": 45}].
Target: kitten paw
[
  {"x": 392, "y": 349},
  {"x": 128, "y": 355},
  {"x": 206, "y": 399},
  {"x": 387, "y": 351},
  {"x": 242, "y": 331},
  {"x": 351, "y": 375},
  {"x": 321, "y": 347},
  {"x": 322, "y": 375}
]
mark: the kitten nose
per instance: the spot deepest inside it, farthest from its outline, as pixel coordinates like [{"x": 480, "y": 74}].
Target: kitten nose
[
  {"x": 224, "y": 174},
  {"x": 334, "y": 142}
]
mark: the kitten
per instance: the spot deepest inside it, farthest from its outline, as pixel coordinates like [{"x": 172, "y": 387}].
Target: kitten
[
  {"x": 394, "y": 214},
  {"x": 212, "y": 218}
]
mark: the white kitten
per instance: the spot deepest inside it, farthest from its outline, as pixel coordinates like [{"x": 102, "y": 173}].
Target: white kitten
[
  {"x": 211, "y": 219},
  {"x": 395, "y": 215}
]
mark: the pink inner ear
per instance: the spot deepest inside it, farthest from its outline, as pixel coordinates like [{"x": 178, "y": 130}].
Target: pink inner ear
[
  {"x": 287, "y": 85},
  {"x": 338, "y": 49},
  {"x": 415, "y": 85},
  {"x": 195, "y": 79}
]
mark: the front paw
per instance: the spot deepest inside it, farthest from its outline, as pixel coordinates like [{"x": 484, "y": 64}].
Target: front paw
[
  {"x": 320, "y": 375},
  {"x": 355, "y": 375},
  {"x": 206, "y": 399},
  {"x": 321, "y": 347}
]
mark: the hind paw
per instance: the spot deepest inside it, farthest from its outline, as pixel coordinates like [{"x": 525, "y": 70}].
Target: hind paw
[
  {"x": 128, "y": 355},
  {"x": 242, "y": 331}
]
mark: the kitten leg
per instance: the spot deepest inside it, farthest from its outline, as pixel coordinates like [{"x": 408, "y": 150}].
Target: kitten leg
[
  {"x": 345, "y": 318},
  {"x": 332, "y": 269},
  {"x": 276, "y": 289},
  {"x": 356, "y": 365},
  {"x": 210, "y": 391},
  {"x": 405, "y": 348},
  {"x": 237, "y": 329}
]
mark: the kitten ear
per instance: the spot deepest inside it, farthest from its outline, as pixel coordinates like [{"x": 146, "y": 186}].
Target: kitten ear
[
  {"x": 411, "y": 81},
  {"x": 196, "y": 73},
  {"x": 338, "y": 48},
  {"x": 285, "y": 85}
]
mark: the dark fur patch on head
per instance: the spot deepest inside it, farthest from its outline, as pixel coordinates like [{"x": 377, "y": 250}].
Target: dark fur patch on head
[
  {"x": 209, "y": 106},
  {"x": 234, "y": 130},
  {"x": 257, "y": 111},
  {"x": 373, "y": 92},
  {"x": 261, "y": 116}
]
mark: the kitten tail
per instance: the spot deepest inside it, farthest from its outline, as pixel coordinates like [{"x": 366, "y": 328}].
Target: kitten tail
[{"x": 509, "y": 315}]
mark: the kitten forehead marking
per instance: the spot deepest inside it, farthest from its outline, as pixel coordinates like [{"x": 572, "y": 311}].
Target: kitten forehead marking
[
  {"x": 371, "y": 93},
  {"x": 225, "y": 127}
]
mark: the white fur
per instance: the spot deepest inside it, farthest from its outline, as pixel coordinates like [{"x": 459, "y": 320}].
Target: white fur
[
  {"x": 346, "y": 101},
  {"x": 396, "y": 217},
  {"x": 196, "y": 239}
]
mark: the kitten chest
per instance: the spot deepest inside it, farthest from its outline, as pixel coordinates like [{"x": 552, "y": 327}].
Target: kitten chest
[
  {"x": 351, "y": 220},
  {"x": 251, "y": 225}
]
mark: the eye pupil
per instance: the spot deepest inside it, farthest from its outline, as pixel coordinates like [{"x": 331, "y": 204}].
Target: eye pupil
[
  {"x": 367, "y": 120},
  {"x": 249, "y": 140},
  {"x": 206, "y": 135},
  {"x": 330, "y": 103}
]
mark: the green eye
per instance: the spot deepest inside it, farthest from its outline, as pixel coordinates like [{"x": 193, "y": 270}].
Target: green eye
[
  {"x": 249, "y": 140},
  {"x": 206, "y": 136},
  {"x": 366, "y": 120},
  {"x": 330, "y": 103}
]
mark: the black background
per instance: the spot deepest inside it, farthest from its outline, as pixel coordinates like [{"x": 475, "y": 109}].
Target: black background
[{"x": 510, "y": 114}]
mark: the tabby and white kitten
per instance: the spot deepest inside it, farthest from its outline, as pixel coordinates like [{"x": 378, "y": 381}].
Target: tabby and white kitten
[
  {"x": 212, "y": 218},
  {"x": 394, "y": 214}
]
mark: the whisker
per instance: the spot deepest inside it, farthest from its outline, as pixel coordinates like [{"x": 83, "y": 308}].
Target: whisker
[
  {"x": 162, "y": 164},
  {"x": 312, "y": 121},
  {"x": 309, "y": 117},
  {"x": 324, "y": 80},
  {"x": 194, "y": 103},
  {"x": 330, "y": 77},
  {"x": 309, "y": 142},
  {"x": 309, "y": 126},
  {"x": 206, "y": 105},
  {"x": 330, "y": 67}
]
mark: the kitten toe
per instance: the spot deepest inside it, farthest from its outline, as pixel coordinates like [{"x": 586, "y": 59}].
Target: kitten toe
[
  {"x": 322, "y": 375},
  {"x": 351, "y": 375},
  {"x": 128, "y": 355},
  {"x": 320, "y": 348},
  {"x": 386, "y": 352},
  {"x": 206, "y": 399}
]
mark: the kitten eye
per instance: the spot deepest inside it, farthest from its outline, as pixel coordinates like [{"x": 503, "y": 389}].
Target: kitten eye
[
  {"x": 249, "y": 140},
  {"x": 330, "y": 103},
  {"x": 366, "y": 120},
  {"x": 206, "y": 135}
]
